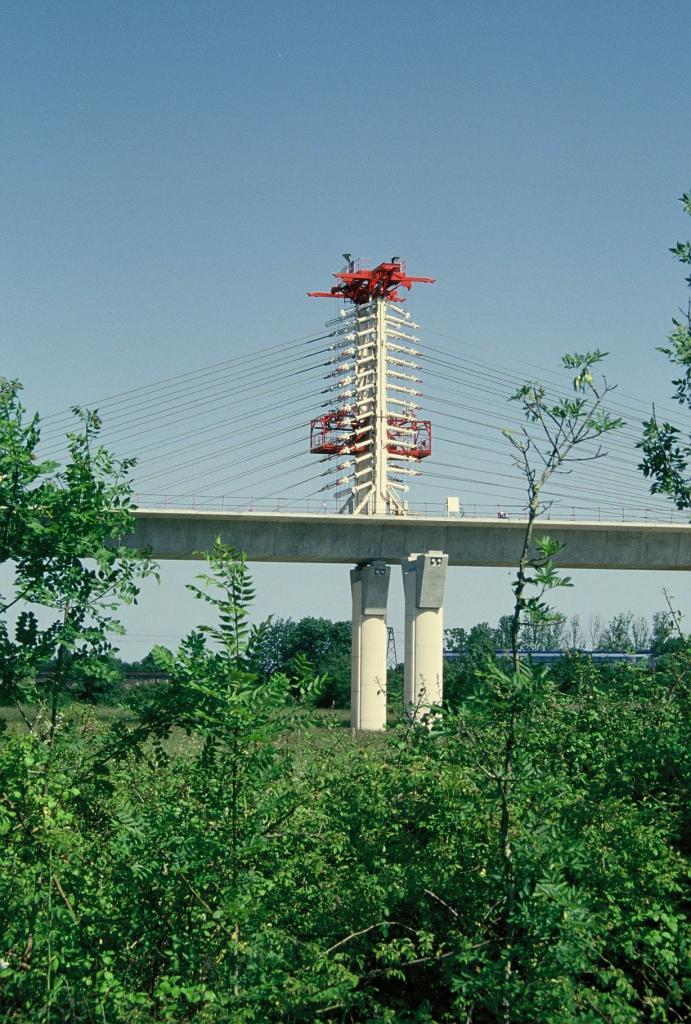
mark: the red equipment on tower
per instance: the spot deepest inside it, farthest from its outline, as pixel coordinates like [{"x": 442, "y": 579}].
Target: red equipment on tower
[
  {"x": 375, "y": 425},
  {"x": 360, "y": 285}
]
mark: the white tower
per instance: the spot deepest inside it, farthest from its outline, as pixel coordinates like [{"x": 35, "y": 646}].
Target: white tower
[
  {"x": 373, "y": 439},
  {"x": 372, "y": 424}
]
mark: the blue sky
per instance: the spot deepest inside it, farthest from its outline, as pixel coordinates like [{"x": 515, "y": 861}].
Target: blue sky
[{"x": 176, "y": 176}]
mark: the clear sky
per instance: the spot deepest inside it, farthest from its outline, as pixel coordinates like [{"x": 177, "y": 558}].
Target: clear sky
[{"x": 176, "y": 176}]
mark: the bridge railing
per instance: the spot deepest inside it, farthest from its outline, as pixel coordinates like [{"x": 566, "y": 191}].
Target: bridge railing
[{"x": 428, "y": 509}]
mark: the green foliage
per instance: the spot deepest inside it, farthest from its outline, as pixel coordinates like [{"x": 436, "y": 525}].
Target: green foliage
[
  {"x": 96, "y": 680},
  {"x": 215, "y": 691},
  {"x": 662, "y": 632},
  {"x": 617, "y": 635},
  {"x": 259, "y": 871},
  {"x": 666, "y": 450},
  {"x": 475, "y": 649},
  {"x": 556, "y": 431},
  {"x": 60, "y": 530},
  {"x": 325, "y": 645}
]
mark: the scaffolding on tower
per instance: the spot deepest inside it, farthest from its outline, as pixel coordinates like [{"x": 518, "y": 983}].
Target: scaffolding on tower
[{"x": 370, "y": 432}]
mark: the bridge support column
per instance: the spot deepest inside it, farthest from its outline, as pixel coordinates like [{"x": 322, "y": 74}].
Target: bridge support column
[
  {"x": 369, "y": 586},
  {"x": 424, "y": 577}
]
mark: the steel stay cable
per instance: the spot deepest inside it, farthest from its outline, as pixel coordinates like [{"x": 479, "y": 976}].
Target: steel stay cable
[
  {"x": 223, "y": 451},
  {"x": 463, "y": 382},
  {"x": 166, "y": 421},
  {"x": 519, "y": 506},
  {"x": 626, "y": 431},
  {"x": 259, "y": 415},
  {"x": 568, "y": 502},
  {"x": 579, "y": 484},
  {"x": 294, "y": 425},
  {"x": 245, "y": 476},
  {"x": 534, "y": 366},
  {"x": 162, "y": 425},
  {"x": 613, "y": 439},
  {"x": 585, "y": 468},
  {"x": 580, "y": 472},
  {"x": 582, "y": 489},
  {"x": 298, "y": 483},
  {"x": 468, "y": 384},
  {"x": 298, "y": 425},
  {"x": 163, "y": 420},
  {"x": 611, "y": 407},
  {"x": 624, "y": 471},
  {"x": 475, "y": 422},
  {"x": 203, "y": 397},
  {"x": 195, "y": 416},
  {"x": 230, "y": 454},
  {"x": 319, "y": 366},
  {"x": 248, "y": 423},
  {"x": 218, "y": 388},
  {"x": 256, "y": 356},
  {"x": 511, "y": 486}
]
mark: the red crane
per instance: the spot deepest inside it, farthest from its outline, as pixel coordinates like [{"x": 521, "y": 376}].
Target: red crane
[{"x": 360, "y": 284}]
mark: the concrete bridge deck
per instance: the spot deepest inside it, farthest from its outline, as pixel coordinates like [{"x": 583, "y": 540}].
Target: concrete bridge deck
[{"x": 304, "y": 537}]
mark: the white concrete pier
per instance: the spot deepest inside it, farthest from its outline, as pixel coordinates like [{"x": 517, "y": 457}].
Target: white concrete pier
[
  {"x": 369, "y": 586},
  {"x": 424, "y": 577}
]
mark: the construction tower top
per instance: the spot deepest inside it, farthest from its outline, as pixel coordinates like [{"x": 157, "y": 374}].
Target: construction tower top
[{"x": 361, "y": 284}]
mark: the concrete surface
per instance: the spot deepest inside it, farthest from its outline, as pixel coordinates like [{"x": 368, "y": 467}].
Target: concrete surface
[{"x": 293, "y": 537}]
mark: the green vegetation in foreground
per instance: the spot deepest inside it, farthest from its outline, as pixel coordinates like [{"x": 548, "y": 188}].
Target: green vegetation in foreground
[{"x": 267, "y": 869}]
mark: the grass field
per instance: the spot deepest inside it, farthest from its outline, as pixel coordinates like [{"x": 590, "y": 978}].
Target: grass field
[{"x": 327, "y": 728}]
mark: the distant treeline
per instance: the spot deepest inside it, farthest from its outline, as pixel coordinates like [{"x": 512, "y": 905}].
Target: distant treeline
[{"x": 279, "y": 643}]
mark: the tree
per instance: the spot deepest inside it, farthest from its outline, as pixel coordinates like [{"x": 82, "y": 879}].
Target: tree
[
  {"x": 474, "y": 649},
  {"x": 666, "y": 452},
  {"x": 537, "y": 635},
  {"x": 640, "y": 633},
  {"x": 455, "y": 639},
  {"x": 325, "y": 644},
  {"x": 617, "y": 633},
  {"x": 662, "y": 632},
  {"x": 503, "y": 631},
  {"x": 217, "y": 695},
  {"x": 555, "y": 436},
  {"x": 574, "y": 638},
  {"x": 595, "y": 630},
  {"x": 59, "y": 529}
]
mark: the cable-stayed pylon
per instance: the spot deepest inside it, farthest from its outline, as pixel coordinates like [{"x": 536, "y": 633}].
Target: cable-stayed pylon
[{"x": 371, "y": 431}]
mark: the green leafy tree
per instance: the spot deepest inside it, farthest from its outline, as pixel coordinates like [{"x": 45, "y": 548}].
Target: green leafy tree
[
  {"x": 475, "y": 650},
  {"x": 215, "y": 689},
  {"x": 325, "y": 644},
  {"x": 666, "y": 451},
  {"x": 662, "y": 631},
  {"x": 617, "y": 634},
  {"x": 59, "y": 529},
  {"x": 555, "y": 435},
  {"x": 503, "y": 632},
  {"x": 455, "y": 639}
]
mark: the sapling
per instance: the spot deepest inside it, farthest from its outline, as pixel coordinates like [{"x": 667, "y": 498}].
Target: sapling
[{"x": 557, "y": 434}]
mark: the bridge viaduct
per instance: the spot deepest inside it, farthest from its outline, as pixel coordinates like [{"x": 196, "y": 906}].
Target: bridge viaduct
[{"x": 424, "y": 547}]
